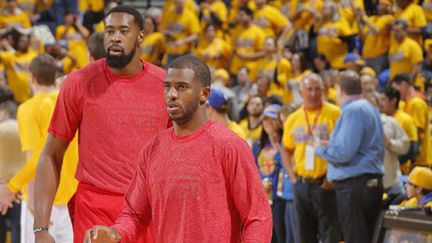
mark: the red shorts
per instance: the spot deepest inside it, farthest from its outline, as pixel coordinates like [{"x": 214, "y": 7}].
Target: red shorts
[{"x": 94, "y": 206}]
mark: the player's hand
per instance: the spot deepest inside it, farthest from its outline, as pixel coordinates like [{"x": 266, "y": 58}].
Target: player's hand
[
  {"x": 6, "y": 198},
  {"x": 102, "y": 234},
  {"x": 43, "y": 237}
]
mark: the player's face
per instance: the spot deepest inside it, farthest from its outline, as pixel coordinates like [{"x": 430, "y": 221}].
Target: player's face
[
  {"x": 121, "y": 39},
  {"x": 182, "y": 94}
]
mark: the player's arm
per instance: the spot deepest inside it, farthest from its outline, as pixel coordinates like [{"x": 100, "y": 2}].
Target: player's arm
[
  {"x": 247, "y": 192},
  {"x": 46, "y": 182}
]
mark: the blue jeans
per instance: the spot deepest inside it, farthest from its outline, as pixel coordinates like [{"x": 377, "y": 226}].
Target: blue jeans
[
  {"x": 359, "y": 201},
  {"x": 13, "y": 218},
  {"x": 316, "y": 213}
]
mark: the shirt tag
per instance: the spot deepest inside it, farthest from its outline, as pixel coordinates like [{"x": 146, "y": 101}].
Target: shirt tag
[{"x": 310, "y": 157}]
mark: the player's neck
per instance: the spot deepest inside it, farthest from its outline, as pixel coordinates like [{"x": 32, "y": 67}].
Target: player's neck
[
  {"x": 196, "y": 122},
  {"x": 133, "y": 68}
]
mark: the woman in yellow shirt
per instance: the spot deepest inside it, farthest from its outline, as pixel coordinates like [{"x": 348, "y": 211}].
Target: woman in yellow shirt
[
  {"x": 214, "y": 51},
  {"x": 153, "y": 45}
]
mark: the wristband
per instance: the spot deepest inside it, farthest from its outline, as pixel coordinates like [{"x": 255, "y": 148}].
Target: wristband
[{"x": 39, "y": 229}]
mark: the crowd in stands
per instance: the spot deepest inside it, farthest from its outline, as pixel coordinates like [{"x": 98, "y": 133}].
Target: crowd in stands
[{"x": 262, "y": 54}]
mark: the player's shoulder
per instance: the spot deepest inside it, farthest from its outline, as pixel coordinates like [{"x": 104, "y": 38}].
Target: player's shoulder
[
  {"x": 223, "y": 137},
  {"x": 154, "y": 71},
  {"x": 87, "y": 73}
]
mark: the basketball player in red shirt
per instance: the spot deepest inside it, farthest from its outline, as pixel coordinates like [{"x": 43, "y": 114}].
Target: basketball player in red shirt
[
  {"x": 197, "y": 181},
  {"x": 116, "y": 105}
]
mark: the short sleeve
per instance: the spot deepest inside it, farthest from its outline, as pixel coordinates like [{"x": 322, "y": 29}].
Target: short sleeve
[
  {"x": 287, "y": 137},
  {"x": 68, "y": 111}
]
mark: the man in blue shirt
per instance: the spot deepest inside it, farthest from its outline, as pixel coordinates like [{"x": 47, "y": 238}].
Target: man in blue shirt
[{"x": 355, "y": 155}]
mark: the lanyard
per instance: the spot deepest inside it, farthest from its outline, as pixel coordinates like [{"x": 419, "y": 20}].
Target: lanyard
[{"x": 310, "y": 129}]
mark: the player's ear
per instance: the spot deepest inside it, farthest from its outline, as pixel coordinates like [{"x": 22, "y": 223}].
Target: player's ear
[
  {"x": 205, "y": 93},
  {"x": 140, "y": 37}
]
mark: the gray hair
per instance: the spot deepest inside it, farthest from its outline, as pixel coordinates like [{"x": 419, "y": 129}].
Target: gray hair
[{"x": 311, "y": 76}]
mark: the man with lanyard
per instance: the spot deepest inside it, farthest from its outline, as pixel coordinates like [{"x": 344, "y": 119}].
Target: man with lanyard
[
  {"x": 314, "y": 197},
  {"x": 355, "y": 154}
]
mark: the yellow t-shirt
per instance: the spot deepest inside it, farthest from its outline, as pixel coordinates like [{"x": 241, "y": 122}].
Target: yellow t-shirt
[
  {"x": 415, "y": 17},
  {"x": 378, "y": 44},
  {"x": 91, "y": 5},
  {"x": 20, "y": 18},
  {"x": 33, "y": 120},
  {"x": 220, "y": 10},
  {"x": 402, "y": 56},
  {"x": 427, "y": 8},
  {"x": 76, "y": 44},
  {"x": 332, "y": 47},
  {"x": 417, "y": 108},
  {"x": 28, "y": 6},
  {"x": 249, "y": 41},
  {"x": 153, "y": 48},
  {"x": 268, "y": 67},
  {"x": 407, "y": 123},
  {"x": 180, "y": 26},
  {"x": 346, "y": 11},
  {"x": 305, "y": 19},
  {"x": 218, "y": 50},
  {"x": 234, "y": 127},
  {"x": 295, "y": 137},
  {"x": 252, "y": 134},
  {"x": 17, "y": 71},
  {"x": 410, "y": 203},
  {"x": 270, "y": 20},
  {"x": 43, "y": 5}
]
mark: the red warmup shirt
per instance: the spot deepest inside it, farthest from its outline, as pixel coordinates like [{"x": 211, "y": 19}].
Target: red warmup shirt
[
  {"x": 115, "y": 115},
  {"x": 202, "y": 187}
]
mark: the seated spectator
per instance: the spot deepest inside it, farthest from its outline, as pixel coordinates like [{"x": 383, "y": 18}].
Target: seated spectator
[{"x": 419, "y": 188}]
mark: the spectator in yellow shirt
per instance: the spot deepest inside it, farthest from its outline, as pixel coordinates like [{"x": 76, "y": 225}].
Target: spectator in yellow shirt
[
  {"x": 249, "y": 42},
  {"x": 16, "y": 62},
  {"x": 217, "y": 110},
  {"x": 270, "y": 19},
  {"x": 302, "y": 13},
  {"x": 214, "y": 51},
  {"x": 300, "y": 69},
  {"x": 13, "y": 16},
  {"x": 251, "y": 124},
  {"x": 405, "y": 54},
  {"x": 75, "y": 35},
  {"x": 416, "y": 106},
  {"x": 329, "y": 29},
  {"x": 414, "y": 16},
  {"x": 181, "y": 29},
  {"x": 314, "y": 196},
  {"x": 33, "y": 120},
  {"x": 419, "y": 188},
  {"x": 277, "y": 69},
  {"x": 214, "y": 12},
  {"x": 153, "y": 46},
  {"x": 376, "y": 36}
]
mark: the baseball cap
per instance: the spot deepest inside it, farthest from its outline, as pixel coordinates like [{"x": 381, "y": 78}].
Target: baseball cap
[
  {"x": 221, "y": 73},
  {"x": 352, "y": 57},
  {"x": 217, "y": 99},
  {"x": 384, "y": 77},
  {"x": 421, "y": 177},
  {"x": 368, "y": 70},
  {"x": 272, "y": 111}
]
